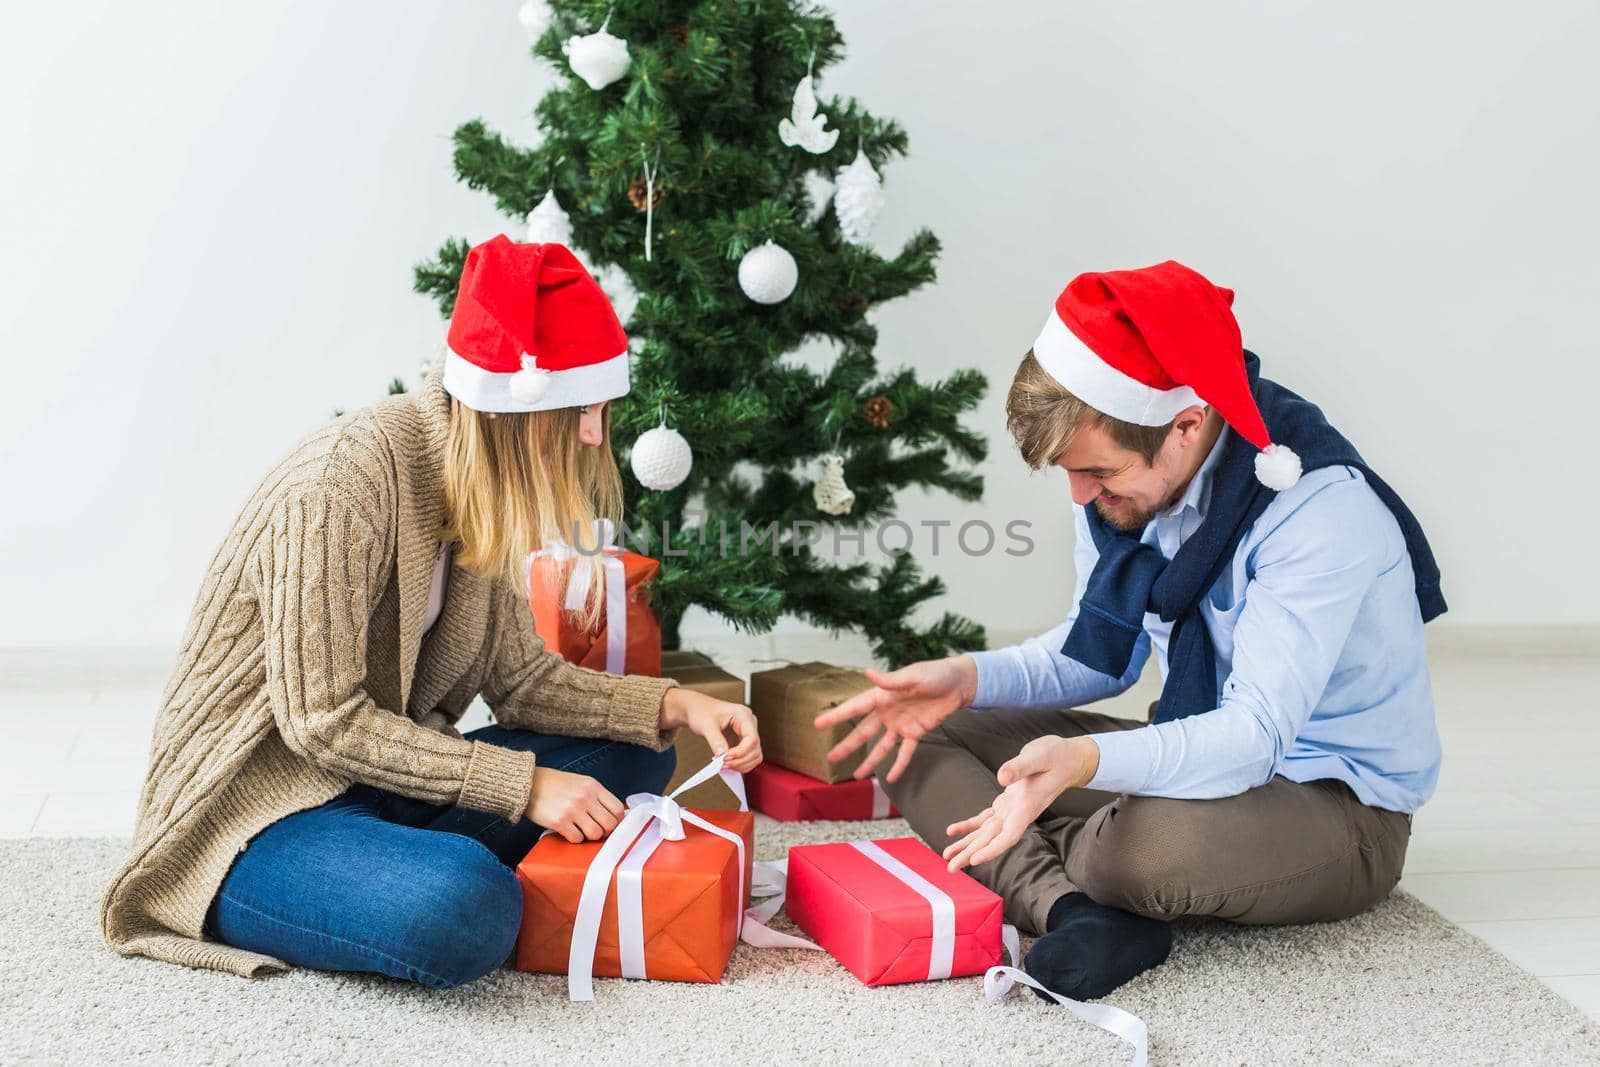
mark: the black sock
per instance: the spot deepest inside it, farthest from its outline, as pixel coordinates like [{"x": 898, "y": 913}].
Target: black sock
[{"x": 1091, "y": 949}]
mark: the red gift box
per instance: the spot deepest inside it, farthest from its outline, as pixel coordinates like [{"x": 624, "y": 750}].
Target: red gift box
[
  {"x": 790, "y": 796},
  {"x": 891, "y": 912}
]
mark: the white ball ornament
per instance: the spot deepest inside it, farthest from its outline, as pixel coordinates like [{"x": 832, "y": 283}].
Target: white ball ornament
[
  {"x": 548, "y": 223},
  {"x": 1277, "y": 467},
  {"x": 661, "y": 459},
  {"x": 598, "y": 58},
  {"x": 768, "y": 274},
  {"x": 857, "y": 199}
]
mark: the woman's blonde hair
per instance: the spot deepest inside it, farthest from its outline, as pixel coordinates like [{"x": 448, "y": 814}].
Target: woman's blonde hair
[{"x": 519, "y": 481}]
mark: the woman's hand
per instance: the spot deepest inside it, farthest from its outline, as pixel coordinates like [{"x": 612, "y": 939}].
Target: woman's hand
[
  {"x": 904, "y": 704},
  {"x": 1033, "y": 778},
  {"x": 575, "y": 806},
  {"x": 728, "y": 728}
]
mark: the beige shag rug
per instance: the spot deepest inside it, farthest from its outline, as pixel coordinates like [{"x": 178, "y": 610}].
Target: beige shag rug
[{"x": 1397, "y": 985}]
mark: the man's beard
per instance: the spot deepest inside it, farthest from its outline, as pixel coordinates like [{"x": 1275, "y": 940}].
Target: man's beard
[
  {"x": 1132, "y": 518},
  {"x": 1129, "y": 519}
]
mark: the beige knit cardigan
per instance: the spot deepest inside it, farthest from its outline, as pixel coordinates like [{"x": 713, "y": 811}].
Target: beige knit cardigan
[{"x": 303, "y": 669}]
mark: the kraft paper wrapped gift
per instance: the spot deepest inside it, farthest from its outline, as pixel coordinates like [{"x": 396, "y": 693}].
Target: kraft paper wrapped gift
[
  {"x": 638, "y": 904},
  {"x": 627, "y": 639},
  {"x": 891, "y": 912},
  {"x": 787, "y": 699},
  {"x": 789, "y": 796},
  {"x": 695, "y": 671}
]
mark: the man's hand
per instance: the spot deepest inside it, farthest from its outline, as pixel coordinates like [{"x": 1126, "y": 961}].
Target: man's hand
[
  {"x": 1033, "y": 778},
  {"x": 721, "y": 722},
  {"x": 575, "y": 806},
  {"x": 905, "y": 704}
]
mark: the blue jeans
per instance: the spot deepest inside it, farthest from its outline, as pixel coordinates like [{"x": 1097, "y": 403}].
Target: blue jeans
[{"x": 375, "y": 881}]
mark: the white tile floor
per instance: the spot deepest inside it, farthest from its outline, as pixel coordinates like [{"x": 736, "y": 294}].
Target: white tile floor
[{"x": 1509, "y": 847}]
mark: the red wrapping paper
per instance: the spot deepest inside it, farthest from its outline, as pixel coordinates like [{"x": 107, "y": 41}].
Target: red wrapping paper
[
  {"x": 790, "y": 796},
  {"x": 878, "y": 926}
]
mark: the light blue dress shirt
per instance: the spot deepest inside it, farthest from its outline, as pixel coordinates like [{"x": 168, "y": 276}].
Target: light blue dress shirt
[{"x": 1321, "y": 659}]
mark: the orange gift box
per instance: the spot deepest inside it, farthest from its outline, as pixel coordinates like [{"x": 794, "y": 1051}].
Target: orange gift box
[
  {"x": 689, "y": 896},
  {"x": 548, "y": 573}
]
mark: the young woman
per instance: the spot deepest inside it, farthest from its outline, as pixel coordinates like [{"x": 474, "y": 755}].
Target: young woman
[{"x": 309, "y": 801}]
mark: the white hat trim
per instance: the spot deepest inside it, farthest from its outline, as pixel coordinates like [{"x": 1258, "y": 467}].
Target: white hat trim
[
  {"x": 485, "y": 390},
  {"x": 1082, "y": 372}
]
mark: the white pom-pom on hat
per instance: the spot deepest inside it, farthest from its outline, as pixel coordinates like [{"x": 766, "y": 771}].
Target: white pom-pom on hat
[
  {"x": 1277, "y": 467},
  {"x": 529, "y": 385}
]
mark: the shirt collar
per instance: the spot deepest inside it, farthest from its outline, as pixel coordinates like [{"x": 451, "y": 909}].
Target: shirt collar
[{"x": 1197, "y": 496}]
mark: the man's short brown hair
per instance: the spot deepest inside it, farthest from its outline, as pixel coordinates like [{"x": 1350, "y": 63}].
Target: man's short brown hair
[{"x": 1044, "y": 418}]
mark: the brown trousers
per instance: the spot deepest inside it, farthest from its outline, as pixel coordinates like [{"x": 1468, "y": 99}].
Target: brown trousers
[{"x": 1284, "y": 852}]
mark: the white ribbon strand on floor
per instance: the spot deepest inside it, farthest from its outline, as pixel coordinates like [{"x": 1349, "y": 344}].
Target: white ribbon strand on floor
[{"x": 998, "y": 981}]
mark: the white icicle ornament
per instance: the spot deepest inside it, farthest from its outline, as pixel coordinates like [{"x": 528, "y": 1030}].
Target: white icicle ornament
[
  {"x": 830, "y": 494},
  {"x": 661, "y": 459},
  {"x": 857, "y": 199},
  {"x": 548, "y": 223},
  {"x": 805, "y": 126},
  {"x": 598, "y": 58},
  {"x": 768, "y": 274}
]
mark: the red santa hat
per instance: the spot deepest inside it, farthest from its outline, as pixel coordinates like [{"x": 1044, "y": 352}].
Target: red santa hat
[
  {"x": 1142, "y": 345},
  {"x": 532, "y": 331}
]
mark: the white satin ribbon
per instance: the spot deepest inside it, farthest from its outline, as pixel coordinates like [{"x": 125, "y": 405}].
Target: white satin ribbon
[
  {"x": 998, "y": 981},
  {"x": 941, "y": 954},
  {"x": 880, "y": 799},
  {"x": 657, "y": 818},
  {"x": 616, "y": 588},
  {"x": 768, "y": 884}
]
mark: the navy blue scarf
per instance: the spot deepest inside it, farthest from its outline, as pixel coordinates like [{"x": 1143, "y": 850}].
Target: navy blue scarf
[{"x": 1132, "y": 578}]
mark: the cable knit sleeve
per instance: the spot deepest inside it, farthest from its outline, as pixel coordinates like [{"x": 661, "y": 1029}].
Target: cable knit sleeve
[
  {"x": 534, "y": 689},
  {"x": 320, "y": 567}
]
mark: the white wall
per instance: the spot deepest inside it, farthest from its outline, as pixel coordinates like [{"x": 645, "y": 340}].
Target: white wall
[{"x": 210, "y": 215}]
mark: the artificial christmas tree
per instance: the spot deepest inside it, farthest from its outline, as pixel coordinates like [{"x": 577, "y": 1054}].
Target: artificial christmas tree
[{"x": 684, "y": 148}]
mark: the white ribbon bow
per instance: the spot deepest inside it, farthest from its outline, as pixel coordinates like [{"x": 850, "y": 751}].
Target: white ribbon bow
[
  {"x": 616, "y": 591},
  {"x": 998, "y": 981}
]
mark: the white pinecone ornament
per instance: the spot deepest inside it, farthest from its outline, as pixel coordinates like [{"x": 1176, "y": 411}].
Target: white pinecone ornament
[
  {"x": 661, "y": 459},
  {"x": 548, "y": 223},
  {"x": 857, "y": 199},
  {"x": 768, "y": 274},
  {"x": 830, "y": 494}
]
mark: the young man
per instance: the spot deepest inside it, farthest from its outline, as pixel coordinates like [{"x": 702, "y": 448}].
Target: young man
[{"x": 1283, "y": 592}]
